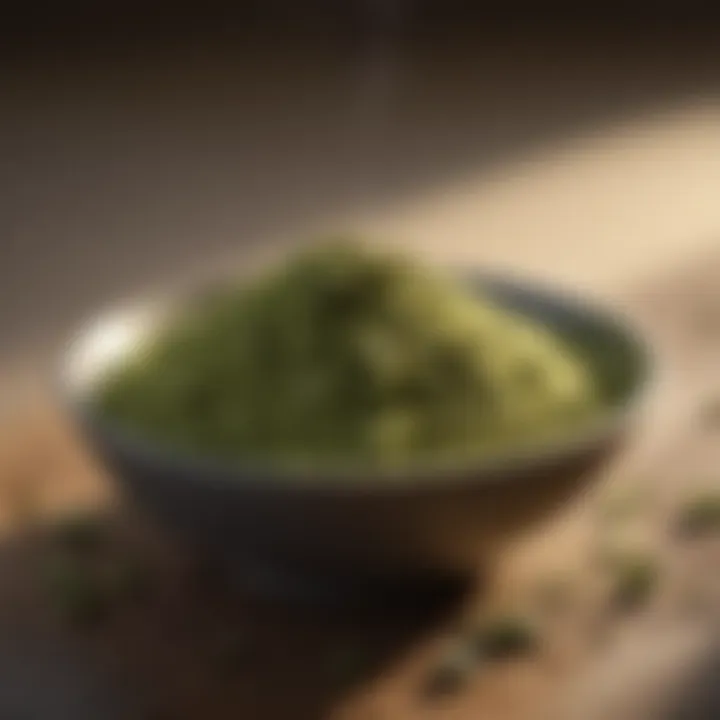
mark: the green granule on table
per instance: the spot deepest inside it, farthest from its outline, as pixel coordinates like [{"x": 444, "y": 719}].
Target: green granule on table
[
  {"x": 345, "y": 356},
  {"x": 635, "y": 579},
  {"x": 700, "y": 516},
  {"x": 506, "y": 637}
]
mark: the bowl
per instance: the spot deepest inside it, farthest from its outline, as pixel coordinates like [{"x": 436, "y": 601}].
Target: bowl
[{"x": 366, "y": 534}]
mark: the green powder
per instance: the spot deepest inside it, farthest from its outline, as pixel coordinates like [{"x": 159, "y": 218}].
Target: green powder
[{"x": 344, "y": 356}]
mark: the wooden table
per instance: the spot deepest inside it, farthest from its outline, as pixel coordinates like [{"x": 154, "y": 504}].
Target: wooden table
[{"x": 190, "y": 649}]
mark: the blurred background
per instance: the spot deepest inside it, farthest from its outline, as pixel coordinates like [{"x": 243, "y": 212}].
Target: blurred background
[
  {"x": 144, "y": 145},
  {"x": 144, "y": 142}
]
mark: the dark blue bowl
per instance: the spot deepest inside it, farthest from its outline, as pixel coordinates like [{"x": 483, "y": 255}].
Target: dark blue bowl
[{"x": 352, "y": 533}]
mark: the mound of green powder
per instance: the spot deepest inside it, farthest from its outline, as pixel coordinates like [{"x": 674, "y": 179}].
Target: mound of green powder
[{"x": 345, "y": 356}]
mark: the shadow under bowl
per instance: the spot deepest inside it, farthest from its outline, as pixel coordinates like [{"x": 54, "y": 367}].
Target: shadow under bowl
[{"x": 319, "y": 536}]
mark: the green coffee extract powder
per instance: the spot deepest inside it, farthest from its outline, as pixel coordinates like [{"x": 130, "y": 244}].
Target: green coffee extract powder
[{"x": 346, "y": 356}]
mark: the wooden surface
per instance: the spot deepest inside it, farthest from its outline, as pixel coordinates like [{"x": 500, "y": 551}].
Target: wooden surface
[{"x": 189, "y": 649}]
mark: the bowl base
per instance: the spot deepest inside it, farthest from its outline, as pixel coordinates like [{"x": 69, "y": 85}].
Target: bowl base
[{"x": 272, "y": 583}]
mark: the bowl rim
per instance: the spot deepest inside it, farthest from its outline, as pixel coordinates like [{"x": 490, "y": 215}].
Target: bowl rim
[{"x": 486, "y": 467}]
